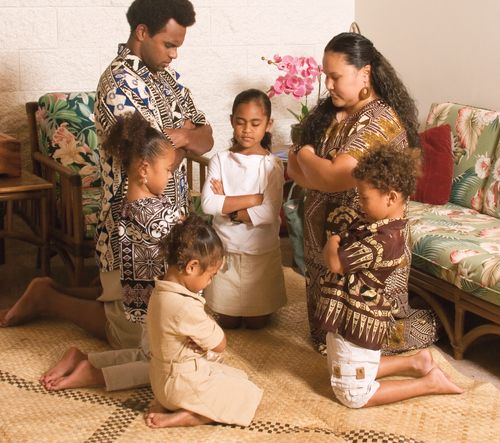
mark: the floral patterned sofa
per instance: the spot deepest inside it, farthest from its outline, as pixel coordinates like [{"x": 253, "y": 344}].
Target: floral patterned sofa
[
  {"x": 456, "y": 246},
  {"x": 64, "y": 151}
]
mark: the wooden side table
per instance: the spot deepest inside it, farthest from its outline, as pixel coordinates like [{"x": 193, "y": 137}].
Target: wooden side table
[{"x": 25, "y": 187}]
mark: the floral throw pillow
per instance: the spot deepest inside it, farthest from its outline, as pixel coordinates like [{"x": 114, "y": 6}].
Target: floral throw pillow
[{"x": 66, "y": 132}]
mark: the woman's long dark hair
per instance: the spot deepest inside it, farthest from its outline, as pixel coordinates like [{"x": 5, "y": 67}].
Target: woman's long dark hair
[{"x": 359, "y": 52}]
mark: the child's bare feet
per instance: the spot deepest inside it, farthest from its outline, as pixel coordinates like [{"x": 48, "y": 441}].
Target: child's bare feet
[
  {"x": 156, "y": 419},
  {"x": 64, "y": 366},
  {"x": 439, "y": 383},
  {"x": 27, "y": 307},
  {"x": 154, "y": 407},
  {"x": 83, "y": 376}
]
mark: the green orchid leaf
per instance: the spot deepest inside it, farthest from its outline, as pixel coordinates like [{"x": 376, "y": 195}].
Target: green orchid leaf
[{"x": 297, "y": 116}]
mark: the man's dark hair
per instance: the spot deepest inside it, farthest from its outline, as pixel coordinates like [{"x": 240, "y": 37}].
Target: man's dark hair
[{"x": 156, "y": 13}]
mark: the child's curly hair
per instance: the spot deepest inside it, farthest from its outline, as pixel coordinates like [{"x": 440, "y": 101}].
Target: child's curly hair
[
  {"x": 132, "y": 137},
  {"x": 192, "y": 239},
  {"x": 388, "y": 168}
]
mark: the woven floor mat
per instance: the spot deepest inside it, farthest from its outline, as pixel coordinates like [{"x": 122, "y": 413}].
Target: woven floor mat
[{"x": 297, "y": 405}]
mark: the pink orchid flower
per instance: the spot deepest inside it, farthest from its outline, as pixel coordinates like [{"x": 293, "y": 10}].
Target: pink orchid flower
[{"x": 299, "y": 75}]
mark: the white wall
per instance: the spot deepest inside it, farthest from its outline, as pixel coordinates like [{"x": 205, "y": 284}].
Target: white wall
[
  {"x": 444, "y": 50},
  {"x": 64, "y": 45}
]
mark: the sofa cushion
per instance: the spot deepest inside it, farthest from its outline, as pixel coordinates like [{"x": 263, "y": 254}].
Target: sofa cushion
[
  {"x": 491, "y": 203},
  {"x": 458, "y": 245},
  {"x": 66, "y": 132},
  {"x": 434, "y": 185},
  {"x": 475, "y": 137}
]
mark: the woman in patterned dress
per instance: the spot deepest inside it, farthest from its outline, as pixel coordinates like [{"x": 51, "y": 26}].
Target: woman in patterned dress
[{"x": 368, "y": 106}]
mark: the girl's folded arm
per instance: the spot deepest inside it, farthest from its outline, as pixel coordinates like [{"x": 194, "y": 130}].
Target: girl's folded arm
[
  {"x": 240, "y": 202},
  {"x": 212, "y": 203},
  {"x": 213, "y": 200},
  {"x": 269, "y": 210}
]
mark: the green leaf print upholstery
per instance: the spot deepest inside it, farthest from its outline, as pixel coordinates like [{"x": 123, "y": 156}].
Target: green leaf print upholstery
[
  {"x": 475, "y": 134},
  {"x": 456, "y": 246},
  {"x": 66, "y": 132}
]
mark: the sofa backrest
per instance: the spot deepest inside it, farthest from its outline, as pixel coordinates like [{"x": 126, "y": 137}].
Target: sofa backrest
[
  {"x": 476, "y": 134},
  {"x": 491, "y": 202},
  {"x": 66, "y": 132}
]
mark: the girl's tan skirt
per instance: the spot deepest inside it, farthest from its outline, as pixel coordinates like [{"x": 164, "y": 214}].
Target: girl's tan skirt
[{"x": 248, "y": 285}]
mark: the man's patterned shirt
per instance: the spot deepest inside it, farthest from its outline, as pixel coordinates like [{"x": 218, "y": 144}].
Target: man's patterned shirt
[{"x": 127, "y": 85}]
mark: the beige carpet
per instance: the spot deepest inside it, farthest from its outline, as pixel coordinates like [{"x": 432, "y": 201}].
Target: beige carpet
[{"x": 297, "y": 403}]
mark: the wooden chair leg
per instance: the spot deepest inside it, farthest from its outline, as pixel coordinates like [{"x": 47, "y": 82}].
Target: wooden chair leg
[
  {"x": 2, "y": 241},
  {"x": 44, "y": 232},
  {"x": 458, "y": 346},
  {"x": 78, "y": 274}
]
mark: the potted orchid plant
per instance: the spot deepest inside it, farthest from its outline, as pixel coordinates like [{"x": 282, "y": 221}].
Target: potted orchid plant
[{"x": 297, "y": 78}]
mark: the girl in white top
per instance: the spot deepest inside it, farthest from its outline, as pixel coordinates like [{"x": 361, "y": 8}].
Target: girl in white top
[{"x": 244, "y": 191}]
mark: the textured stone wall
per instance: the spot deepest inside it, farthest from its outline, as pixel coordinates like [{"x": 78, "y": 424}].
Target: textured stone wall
[{"x": 64, "y": 45}]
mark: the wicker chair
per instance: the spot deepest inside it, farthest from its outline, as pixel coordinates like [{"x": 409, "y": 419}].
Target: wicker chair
[{"x": 59, "y": 123}]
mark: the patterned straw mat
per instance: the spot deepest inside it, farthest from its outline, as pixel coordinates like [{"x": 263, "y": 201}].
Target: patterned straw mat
[{"x": 297, "y": 403}]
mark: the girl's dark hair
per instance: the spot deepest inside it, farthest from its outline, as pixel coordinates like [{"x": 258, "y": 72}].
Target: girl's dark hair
[
  {"x": 192, "y": 239},
  {"x": 156, "y": 13},
  {"x": 132, "y": 137},
  {"x": 359, "y": 52},
  {"x": 388, "y": 168},
  {"x": 255, "y": 95}
]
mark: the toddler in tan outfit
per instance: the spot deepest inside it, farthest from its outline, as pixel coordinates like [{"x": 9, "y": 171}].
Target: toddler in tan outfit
[{"x": 195, "y": 390}]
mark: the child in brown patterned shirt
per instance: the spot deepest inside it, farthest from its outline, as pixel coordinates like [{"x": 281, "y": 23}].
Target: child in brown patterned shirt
[{"x": 354, "y": 307}]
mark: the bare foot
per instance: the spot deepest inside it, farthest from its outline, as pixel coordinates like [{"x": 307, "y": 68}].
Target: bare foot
[
  {"x": 64, "y": 366},
  {"x": 173, "y": 419},
  {"x": 154, "y": 408},
  {"x": 422, "y": 363},
  {"x": 439, "y": 383},
  {"x": 3, "y": 313},
  {"x": 84, "y": 376},
  {"x": 27, "y": 307}
]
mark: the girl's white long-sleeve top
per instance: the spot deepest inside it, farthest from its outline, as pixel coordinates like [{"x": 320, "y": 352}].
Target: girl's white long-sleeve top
[{"x": 243, "y": 175}]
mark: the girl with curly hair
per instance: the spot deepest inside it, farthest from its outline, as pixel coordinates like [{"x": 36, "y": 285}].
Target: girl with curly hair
[{"x": 147, "y": 215}]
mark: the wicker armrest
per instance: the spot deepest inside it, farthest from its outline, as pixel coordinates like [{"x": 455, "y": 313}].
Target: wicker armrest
[
  {"x": 50, "y": 163},
  {"x": 67, "y": 196}
]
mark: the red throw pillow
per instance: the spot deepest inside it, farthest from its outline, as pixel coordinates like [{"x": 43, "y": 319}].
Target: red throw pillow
[{"x": 434, "y": 185}]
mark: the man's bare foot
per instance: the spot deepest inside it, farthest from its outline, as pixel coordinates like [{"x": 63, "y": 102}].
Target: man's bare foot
[
  {"x": 28, "y": 305},
  {"x": 422, "y": 363},
  {"x": 174, "y": 419},
  {"x": 64, "y": 366},
  {"x": 83, "y": 376},
  {"x": 439, "y": 383},
  {"x": 3, "y": 313}
]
